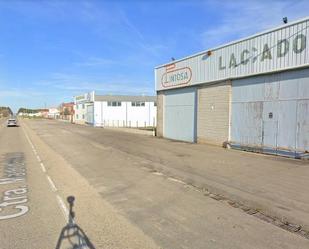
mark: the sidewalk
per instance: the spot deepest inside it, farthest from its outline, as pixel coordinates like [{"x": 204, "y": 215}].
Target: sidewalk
[
  {"x": 132, "y": 130},
  {"x": 276, "y": 186}
]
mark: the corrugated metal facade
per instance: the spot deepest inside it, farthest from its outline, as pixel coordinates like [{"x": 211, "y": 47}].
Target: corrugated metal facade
[
  {"x": 268, "y": 106},
  {"x": 278, "y": 49},
  {"x": 271, "y": 111}
]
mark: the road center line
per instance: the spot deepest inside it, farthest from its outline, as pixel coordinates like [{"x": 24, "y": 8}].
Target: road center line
[
  {"x": 43, "y": 167},
  {"x": 51, "y": 183},
  {"x": 63, "y": 207}
]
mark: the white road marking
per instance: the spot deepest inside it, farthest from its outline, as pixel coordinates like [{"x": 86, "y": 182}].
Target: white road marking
[
  {"x": 43, "y": 167},
  {"x": 157, "y": 173},
  {"x": 176, "y": 180},
  {"x": 51, "y": 183},
  {"x": 63, "y": 207}
]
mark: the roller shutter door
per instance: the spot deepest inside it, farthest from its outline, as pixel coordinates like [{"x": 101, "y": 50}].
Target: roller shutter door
[{"x": 180, "y": 114}]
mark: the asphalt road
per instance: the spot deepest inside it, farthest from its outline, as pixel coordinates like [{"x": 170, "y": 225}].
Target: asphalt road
[
  {"x": 29, "y": 213},
  {"x": 33, "y": 207},
  {"x": 123, "y": 199}
]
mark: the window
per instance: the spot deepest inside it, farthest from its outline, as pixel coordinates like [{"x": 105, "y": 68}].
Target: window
[
  {"x": 83, "y": 116},
  {"x": 77, "y": 107},
  {"x": 137, "y": 103},
  {"x": 113, "y": 103},
  {"x": 83, "y": 106},
  {"x": 155, "y": 103},
  {"x": 76, "y": 116}
]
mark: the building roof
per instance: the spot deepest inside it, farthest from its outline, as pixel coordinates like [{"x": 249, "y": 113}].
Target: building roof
[
  {"x": 68, "y": 104},
  {"x": 125, "y": 98},
  {"x": 236, "y": 41}
]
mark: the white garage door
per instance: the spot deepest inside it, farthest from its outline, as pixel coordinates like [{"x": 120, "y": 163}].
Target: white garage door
[{"x": 180, "y": 114}]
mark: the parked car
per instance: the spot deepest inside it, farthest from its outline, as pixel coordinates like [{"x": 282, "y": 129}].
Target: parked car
[{"x": 11, "y": 122}]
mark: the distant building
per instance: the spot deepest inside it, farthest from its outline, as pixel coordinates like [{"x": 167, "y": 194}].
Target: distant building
[
  {"x": 115, "y": 110},
  {"x": 43, "y": 113},
  {"x": 38, "y": 113},
  {"x": 67, "y": 111},
  {"x": 5, "y": 111},
  {"x": 53, "y": 113}
]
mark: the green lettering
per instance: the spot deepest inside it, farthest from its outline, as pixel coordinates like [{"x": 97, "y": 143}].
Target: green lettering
[
  {"x": 266, "y": 54},
  {"x": 233, "y": 62}
]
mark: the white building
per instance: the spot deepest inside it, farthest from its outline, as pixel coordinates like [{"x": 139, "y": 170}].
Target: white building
[
  {"x": 115, "y": 111},
  {"x": 252, "y": 93},
  {"x": 53, "y": 113}
]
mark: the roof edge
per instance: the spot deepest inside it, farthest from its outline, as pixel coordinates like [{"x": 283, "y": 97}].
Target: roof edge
[{"x": 236, "y": 41}]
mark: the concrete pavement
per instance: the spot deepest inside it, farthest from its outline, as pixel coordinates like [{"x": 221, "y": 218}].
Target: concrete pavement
[
  {"x": 158, "y": 185},
  {"x": 33, "y": 209}
]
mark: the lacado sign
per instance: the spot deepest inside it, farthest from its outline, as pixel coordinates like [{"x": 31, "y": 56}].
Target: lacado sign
[{"x": 253, "y": 55}]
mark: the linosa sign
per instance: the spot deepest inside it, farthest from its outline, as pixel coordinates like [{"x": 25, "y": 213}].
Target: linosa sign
[{"x": 173, "y": 77}]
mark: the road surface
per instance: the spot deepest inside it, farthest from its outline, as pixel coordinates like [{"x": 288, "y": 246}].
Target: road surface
[{"x": 129, "y": 191}]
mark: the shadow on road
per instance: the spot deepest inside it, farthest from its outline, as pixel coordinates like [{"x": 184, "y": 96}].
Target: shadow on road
[{"x": 72, "y": 236}]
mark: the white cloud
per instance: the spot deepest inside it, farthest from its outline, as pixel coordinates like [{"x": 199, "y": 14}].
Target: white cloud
[{"x": 243, "y": 18}]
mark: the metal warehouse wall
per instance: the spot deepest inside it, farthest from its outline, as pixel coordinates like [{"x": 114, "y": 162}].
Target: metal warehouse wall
[
  {"x": 268, "y": 105},
  {"x": 272, "y": 111},
  {"x": 278, "y": 49},
  {"x": 213, "y": 113}
]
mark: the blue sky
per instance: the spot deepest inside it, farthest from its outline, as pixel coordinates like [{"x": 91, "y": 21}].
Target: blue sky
[{"x": 52, "y": 50}]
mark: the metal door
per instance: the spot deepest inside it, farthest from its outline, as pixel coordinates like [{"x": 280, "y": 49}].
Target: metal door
[
  {"x": 287, "y": 125},
  {"x": 303, "y": 125},
  {"x": 90, "y": 114},
  {"x": 270, "y": 124},
  {"x": 246, "y": 128},
  {"x": 180, "y": 114}
]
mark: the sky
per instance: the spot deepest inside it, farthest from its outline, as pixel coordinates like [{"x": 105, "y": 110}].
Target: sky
[{"x": 51, "y": 51}]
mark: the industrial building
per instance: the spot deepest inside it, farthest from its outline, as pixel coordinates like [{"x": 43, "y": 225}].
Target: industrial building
[
  {"x": 251, "y": 94},
  {"x": 115, "y": 110}
]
